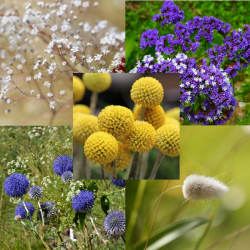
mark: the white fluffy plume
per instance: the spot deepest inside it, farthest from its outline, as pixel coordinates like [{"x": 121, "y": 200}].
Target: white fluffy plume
[{"x": 198, "y": 187}]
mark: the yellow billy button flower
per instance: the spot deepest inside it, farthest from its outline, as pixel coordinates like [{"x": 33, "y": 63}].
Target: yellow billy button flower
[
  {"x": 97, "y": 82},
  {"x": 78, "y": 89},
  {"x": 116, "y": 120},
  {"x": 142, "y": 138},
  {"x": 147, "y": 91},
  {"x": 84, "y": 126},
  {"x": 123, "y": 159},
  {"x": 155, "y": 115},
  {"x": 80, "y": 108},
  {"x": 168, "y": 140},
  {"x": 101, "y": 148},
  {"x": 173, "y": 113},
  {"x": 169, "y": 120}
]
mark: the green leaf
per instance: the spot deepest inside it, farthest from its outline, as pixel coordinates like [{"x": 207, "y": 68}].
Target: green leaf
[
  {"x": 170, "y": 233},
  {"x": 93, "y": 187},
  {"x": 105, "y": 204},
  {"x": 79, "y": 220},
  {"x": 130, "y": 42}
]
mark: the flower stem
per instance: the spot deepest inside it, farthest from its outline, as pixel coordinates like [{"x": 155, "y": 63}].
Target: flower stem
[
  {"x": 93, "y": 102},
  {"x": 134, "y": 165},
  {"x": 142, "y": 113},
  {"x": 115, "y": 169},
  {"x": 103, "y": 173},
  {"x": 38, "y": 202},
  {"x": 156, "y": 166},
  {"x": 144, "y": 165}
]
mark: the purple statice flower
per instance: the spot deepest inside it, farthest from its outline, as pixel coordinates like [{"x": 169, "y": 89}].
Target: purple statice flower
[
  {"x": 49, "y": 210},
  {"x": 16, "y": 185},
  {"x": 67, "y": 176},
  {"x": 119, "y": 183},
  {"x": 21, "y": 211},
  {"x": 115, "y": 224},
  {"x": 36, "y": 192},
  {"x": 62, "y": 164},
  {"x": 84, "y": 201},
  {"x": 149, "y": 38}
]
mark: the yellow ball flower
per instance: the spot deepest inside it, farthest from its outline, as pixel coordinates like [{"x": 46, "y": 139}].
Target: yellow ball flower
[
  {"x": 169, "y": 120},
  {"x": 84, "y": 126},
  {"x": 142, "y": 138},
  {"x": 147, "y": 91},
  {"x": 97, "y": 82},
  {"x": 168, "y": 140},
  {"x": 173, "y": 113},
  {"x": 78, "y": 89},
  {"x": 116, "y": 120},
  {"x": 101, "y": 148},
  {"x": 155, "y": 115},
  {"x": 80, "y": 108},
  {"x": 123, "y": 159}
]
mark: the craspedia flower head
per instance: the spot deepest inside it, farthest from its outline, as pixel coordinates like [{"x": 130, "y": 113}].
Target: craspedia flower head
[
  {"x": 173, "y": 113},
  {"x": 142, "y": 138},
  {"x": 115, "y": 224},
  {"x": 116, "y": 120},
  {"x": 63, "y": 163},
  {"x": 78, "y": 89},
  {"x": 101, "y": 148},
  {"x": 67, "y": 176},
  {"x": 123, "y": 159},
  {"x": 49, "y": 210},
  {"x": 168, "y": 140},
  {"x": 80, "y": 108},
  {"x": 119, "y": 183},
  {"x": 84, "y": 126},
  {"x": 36, "y": 192},
  {"x": 97, "y": 82},
  {"x": 16, "y": 185},
  {"x": 147, "y": 91},
  {"x": 198, "y": 187},
  {"x": 169, "y": 120},
  {"x": 155, "y": 115},
  {"x": 84, "y": 201},
  {"x": 21, "y": 211}
]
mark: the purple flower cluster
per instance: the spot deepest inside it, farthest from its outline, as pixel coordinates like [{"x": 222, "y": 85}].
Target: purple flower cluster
[
  {"x": 48, "y": 209},
  {"x": 119, "y": 183},
  {"x": 84, "y": 201},
  {"x": 62, "y": 164},
  {"x": 21, "y": 210},
  {"x": 115, "y": 224}
]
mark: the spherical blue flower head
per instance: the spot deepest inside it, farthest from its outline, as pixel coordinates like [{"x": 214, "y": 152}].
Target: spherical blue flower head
[
  {"x": 67, "y": 176},
  {"x": 49, "y": 210},
  {"x": 115, "y": 224},
  {"x": 21, "y": 211},
  {"x": 119, "y": 183},
  {"x": 62, "y": 164},
  {"x": 83, "y": 202},
  {"x": 35, "y": 192},
  {"x": 16, "y": 185}
]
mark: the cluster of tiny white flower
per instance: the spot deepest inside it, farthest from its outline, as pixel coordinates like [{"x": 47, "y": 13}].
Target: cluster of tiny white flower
[{"x": 74, "y": 189}]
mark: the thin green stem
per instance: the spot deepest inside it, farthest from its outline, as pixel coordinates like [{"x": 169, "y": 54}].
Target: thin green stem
[
  {"x": 93, "y": 102},
  {"x": 103, "y": 172},
  {"x": 156, "y": 166},
  {"x": 134, "y": 166}
]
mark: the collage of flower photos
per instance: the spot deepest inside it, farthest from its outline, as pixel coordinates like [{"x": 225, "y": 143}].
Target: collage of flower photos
[{"x": 124, "y": 125}]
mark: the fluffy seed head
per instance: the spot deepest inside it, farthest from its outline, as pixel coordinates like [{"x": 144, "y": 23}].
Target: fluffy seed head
[
  {"x": 80, "y": 108},
  {"x": 198, "y": 187},
  {"x": 63, "y": 163},
  {"x": 97, "y": 82},
  {"x": 84, "y": 201},
  {"x": 168, "y": 140},
  {"x": 155, "y": 115},
  {"x": 21, "y": 211},
  {"x": 116, "y": 120},
  {"x": 142, "y": 138},
  {"x": 84, "y": 126},
  {"x": 173, "y": 113},
  {"x": 16, "y": 185},
  {"x": 67, "y": 176},
  {"x": 36, "y": 192},
  {"x": 101, "y": 148},
  {"x": 119, "y": 183},
  {"x": 123, "y": 158},
  {"x": 115, "y": 224},
  {"x": 169, "y": 120},
  {"x": 147, "y": 91},
  {"x": 49, "y": 210},
  {"x": 78, "y": 89}
]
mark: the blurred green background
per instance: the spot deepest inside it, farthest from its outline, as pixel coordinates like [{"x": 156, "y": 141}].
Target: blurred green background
[{"x": 216, "y": 151}]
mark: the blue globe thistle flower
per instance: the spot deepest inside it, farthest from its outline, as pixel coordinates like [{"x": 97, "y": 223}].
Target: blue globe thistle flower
[
  {"x": 62, "y": 164},
  {"x": 83, "y": 202},
  {"x": 67, "y": 176},
  {"x": 49, "y": 210},
  {"x": 119, "y": 183},
  {"x": 16, "y": 185},
  {"x": 35, "y": 192},
  {"x": 115, "y": 224},
  {"x": 21, "y": 211}
]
